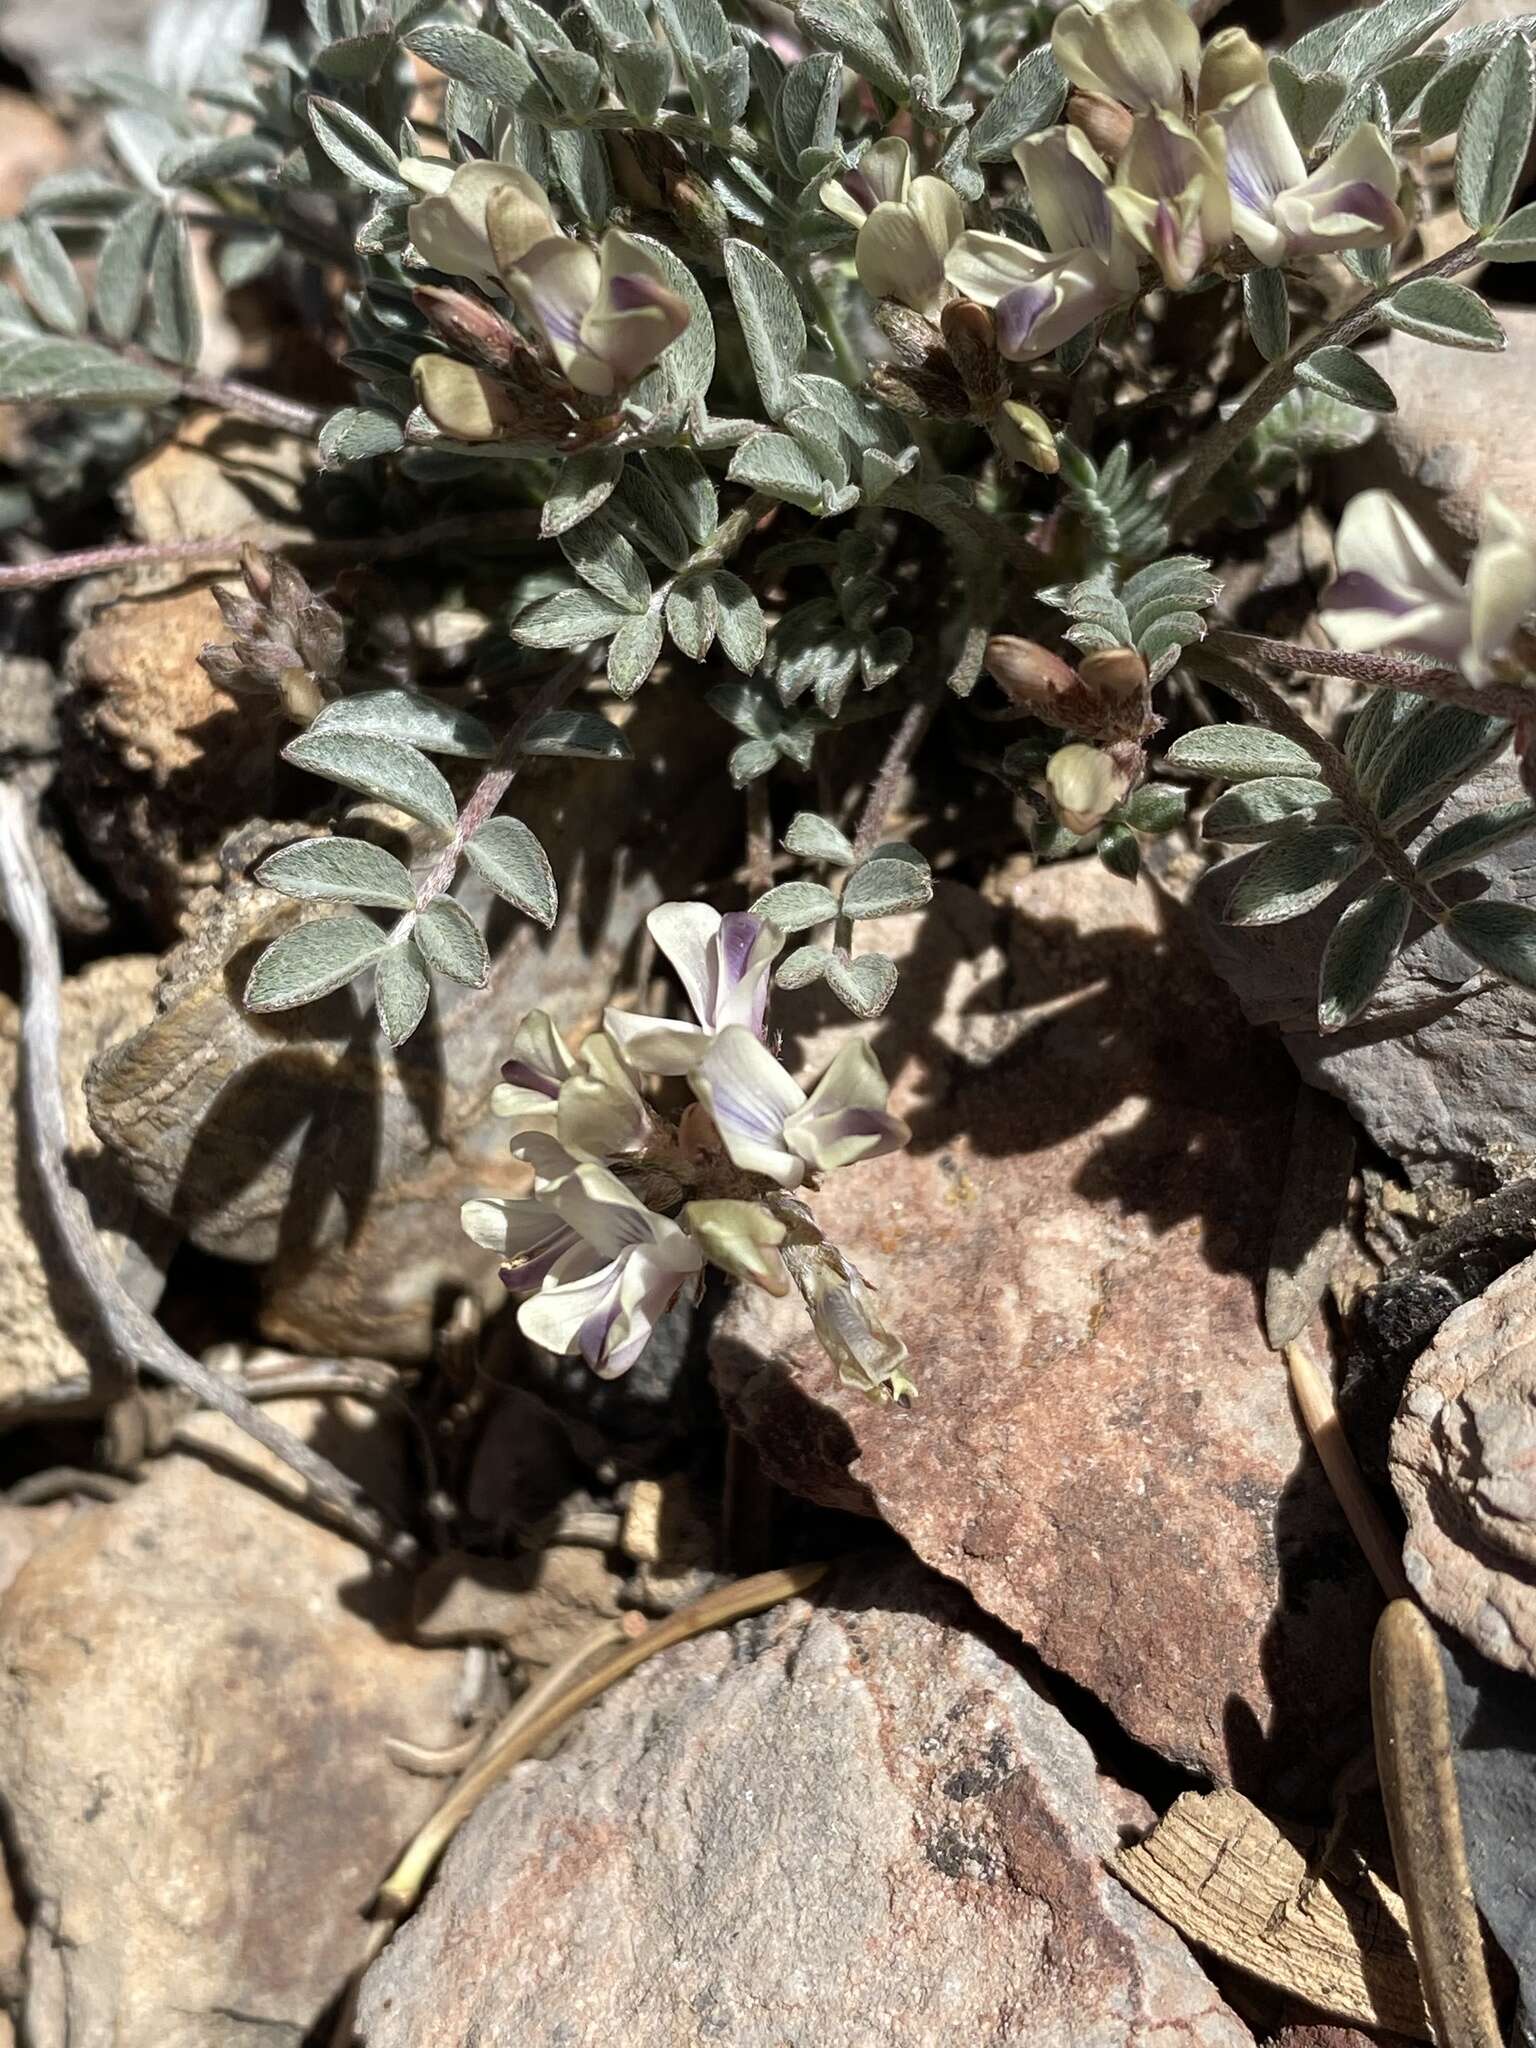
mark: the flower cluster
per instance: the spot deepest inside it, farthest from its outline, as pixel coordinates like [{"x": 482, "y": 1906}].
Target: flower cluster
[
  {"x": 1393, "y": 591},
  {"x": 1169, "y": 153},
  {"x": 628, "y": 1203},
  {"x": 604, "y": 314}
]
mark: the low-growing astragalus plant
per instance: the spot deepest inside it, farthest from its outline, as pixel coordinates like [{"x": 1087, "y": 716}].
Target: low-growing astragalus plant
[{"x": 862, "y": 352}]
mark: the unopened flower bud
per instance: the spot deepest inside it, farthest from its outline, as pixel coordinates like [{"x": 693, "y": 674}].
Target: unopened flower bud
[
  {"x": 1230, "y": 63},
  {"x": 1084, "y": 785},
  {"x": 1105, "y": 122},
  {"x": 971, "y": 339},
  {"x": 742, "y": 1238},
  {"x": 1025, "y": 436},
  {"x": 1029, "y": 674},
  {"x": 461, "y": 401},
  {"x": 1115, "y": 672},
  {"x": 469, "y": 325}
]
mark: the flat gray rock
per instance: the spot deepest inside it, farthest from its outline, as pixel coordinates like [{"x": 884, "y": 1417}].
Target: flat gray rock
[{"x": 848, "y": 1823}]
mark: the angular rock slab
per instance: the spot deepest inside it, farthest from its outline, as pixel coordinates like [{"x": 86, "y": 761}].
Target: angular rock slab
[
  {"x": 1102, "y": 1449},
  {"x": 196, "y": 1687},
  {"x": 1437, "y": 1067},
  {"x": 1464, "y": 1466},
  {"x": 849, "y": 1823}
]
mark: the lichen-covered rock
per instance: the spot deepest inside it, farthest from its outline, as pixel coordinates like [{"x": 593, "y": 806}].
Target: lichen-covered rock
[
  {"x": 196, "y": 1687},
  {"x": 1102, "y": 1447},
  {"x": 1464, "y": 1465},
  {"x": 850, "y": 1823},
  {"x": 51, "y": 1351}
]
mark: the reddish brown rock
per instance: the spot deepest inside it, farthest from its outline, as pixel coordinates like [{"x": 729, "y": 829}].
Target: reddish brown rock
[
  {"x": 1102, "y": 1449},
  {"x": 853, "y": 1823},
  {"x": 1464, "y": 1465}
]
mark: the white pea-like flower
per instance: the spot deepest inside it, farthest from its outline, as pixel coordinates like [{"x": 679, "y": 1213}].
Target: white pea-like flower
[
  {"x": 769, "y": 1125},
  {"x": 1170, "y": 192},
  {"x": 1393, "y": 591},
  {"x": 1278, "y": 210},
  {"x": 607, "y": 313},
  {"x": 723, "y": 964},
  {"x": 1084, "y": 784},
  {"x": 1144, "y": 53},
  {"x": 907, "y": 226},
  {"x": 449, "y": 224},
  {"x": 1042, "y": 297}
]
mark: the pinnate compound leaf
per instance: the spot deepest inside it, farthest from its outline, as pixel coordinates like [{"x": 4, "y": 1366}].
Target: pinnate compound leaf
[
  {"x": 884, "y": 885},
  {"x": 46, "y": 275},
  {"x": 1514, "y": 240},
  {"x": 57, "y": 372},
  {"x": 383, "y": 769},
  {"x": 1343, "y": 375},
  {"x": 1494, "y": 136},
  {"x": 1464, "y": 843},
  {"x": 450, "y": 941},
  {"x": 401, "y": 986},
  {"x": 633, "y": 651},
  {"x": 508, "y": 855},
  {"x": 771, "y": 323},
  {"x": 122, "y": 269},
  {"x": 796, "y": 906},
  {"x": 1437, "y": 309},
  {"x": 1360, "y": 949},
  {"x": 577, "y": 736},
  {"x": 1263, "y": 808},
  {"x": 817, "y": 838},
  {"x": 800, "y": 968},
  {"x": 313, "y": 960},
  {"x": 1497, "y": 934},
  {"x": 1267, "y": 309},
  {"x": 742, "y": 630},
  {"x": 1294, "y": 875},
  {"x": 339, "y": 871},
  {"x": 476, "y": 60},
  {"x": 864, "y": 985},
  {"x": 1236, "y": 752},
  {"x": 411, "y": 717},
  {"x": 1030, "y": 99},
  {"x": 569, "y": 618},
  {"x": 355, "y": 148}
]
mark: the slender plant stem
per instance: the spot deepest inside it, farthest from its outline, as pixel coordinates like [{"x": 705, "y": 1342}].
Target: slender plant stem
[
  {"x": 131, "y": 1334},
  {"x": 386, "y": 547},
  {"x": 497, "y": 779},
  {"x": 759, "y": 838},
  {"x": 1213, "y": 449},
  {"x": 903, "y": 745},
  {"x": 1263, "y": 699},
  {"x": 1381, "y": 672},
  {"x": 250, "y": 403}
]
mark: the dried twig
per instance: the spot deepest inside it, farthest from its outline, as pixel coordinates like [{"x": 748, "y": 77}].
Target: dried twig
[
  {"x": 564, "y": 1691},
  {"x": 1418, "y": 1785},
  {"x": 386, "y": 547},
  {"x": 129, "y": 1332},
  {"x": 1314, "y": 1398}
]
